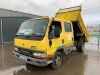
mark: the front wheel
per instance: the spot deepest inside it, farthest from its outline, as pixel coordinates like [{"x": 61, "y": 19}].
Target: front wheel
[
  {"x": 57, "y": 61},
  {"x": 28, "y": 66}
]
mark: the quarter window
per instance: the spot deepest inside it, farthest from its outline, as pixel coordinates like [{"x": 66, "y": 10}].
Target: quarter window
[{"x": 68, "y": 27}]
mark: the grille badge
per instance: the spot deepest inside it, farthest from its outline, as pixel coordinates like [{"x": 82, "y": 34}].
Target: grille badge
[
  {"x": 33, "y": 47},
  {"x": 23, "y": 44}
]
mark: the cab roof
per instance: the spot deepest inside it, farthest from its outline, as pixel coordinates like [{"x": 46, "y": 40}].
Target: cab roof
[{"x": 51, "y": 18}]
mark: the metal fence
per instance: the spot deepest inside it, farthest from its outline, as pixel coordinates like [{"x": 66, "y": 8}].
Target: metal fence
[
  {"x": 9, "y": 27},
  {"x": 94, "y": 43}
]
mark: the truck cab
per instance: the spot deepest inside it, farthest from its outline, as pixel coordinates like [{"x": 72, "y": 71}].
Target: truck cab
[{"x": 45, "y": 41}]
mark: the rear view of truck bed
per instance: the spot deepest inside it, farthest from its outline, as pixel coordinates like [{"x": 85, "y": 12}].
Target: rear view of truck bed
[{"x": 73, "y": 14}]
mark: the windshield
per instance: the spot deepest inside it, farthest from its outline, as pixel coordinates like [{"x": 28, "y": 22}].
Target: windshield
[{"x": 33, "y": 28}]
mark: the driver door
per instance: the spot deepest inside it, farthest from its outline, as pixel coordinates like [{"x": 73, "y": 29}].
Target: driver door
[{"x": 56, "y": 32}]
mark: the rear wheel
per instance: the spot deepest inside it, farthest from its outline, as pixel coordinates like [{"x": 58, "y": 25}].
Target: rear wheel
[
  {"x": 57, "y": 61},
  {"x": 80, "y": 46}
]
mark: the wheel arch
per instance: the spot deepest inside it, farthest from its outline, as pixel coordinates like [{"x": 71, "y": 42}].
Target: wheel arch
[{"x": 60, "y": 49}]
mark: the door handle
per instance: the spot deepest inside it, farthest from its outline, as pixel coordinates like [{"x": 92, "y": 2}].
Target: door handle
[
  {"x": 72, "y": 39},
  {"x": 62, "y": 41}
]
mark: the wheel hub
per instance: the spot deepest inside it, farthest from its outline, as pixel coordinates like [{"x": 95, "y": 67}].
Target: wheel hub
[{"x": 58, "y": 60}]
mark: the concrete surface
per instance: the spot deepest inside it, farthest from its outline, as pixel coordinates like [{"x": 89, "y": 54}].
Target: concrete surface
[{"x": 87, "y": 63}]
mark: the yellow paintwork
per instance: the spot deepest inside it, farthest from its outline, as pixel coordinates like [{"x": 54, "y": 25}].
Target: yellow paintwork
[
  {"x": 31, "y": 44},
  {"x": 43, "y": 45},
  {"x": 68, "y": 36},
  {"x": 73, "y": 15},
  {"x": 69, "y": 16}
]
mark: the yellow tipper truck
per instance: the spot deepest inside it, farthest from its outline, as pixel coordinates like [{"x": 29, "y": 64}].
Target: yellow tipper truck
[{"x": 46, "y": 41}]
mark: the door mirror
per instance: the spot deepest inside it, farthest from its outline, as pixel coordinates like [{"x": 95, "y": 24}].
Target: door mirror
[{"x": 51, "y": 32}]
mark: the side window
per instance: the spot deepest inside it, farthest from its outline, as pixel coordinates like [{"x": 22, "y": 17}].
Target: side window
[
  {"x": 55, "y": 29},
  {"x": 68, "y": 27}
]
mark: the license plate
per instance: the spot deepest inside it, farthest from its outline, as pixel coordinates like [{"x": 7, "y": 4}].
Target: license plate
[{"x": 24, "y": 58}]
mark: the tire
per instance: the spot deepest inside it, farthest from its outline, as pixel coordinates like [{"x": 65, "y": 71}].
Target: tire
[
  {"x": 28, "y": 66},
  {"x": 80, "y": 48},
  {"x": 57, "y": 61},
  {"x": 80, "y": 45}
]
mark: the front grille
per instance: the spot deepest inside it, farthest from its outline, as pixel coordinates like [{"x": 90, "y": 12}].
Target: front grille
[
  {"x": 25, "y": 52},
  {"x": 28, "y": 52}
]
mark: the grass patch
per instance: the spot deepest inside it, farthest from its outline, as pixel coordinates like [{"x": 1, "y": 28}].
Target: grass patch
[
  {"x": 0, "y": 46},
  {"x": 95, "y": 35}
]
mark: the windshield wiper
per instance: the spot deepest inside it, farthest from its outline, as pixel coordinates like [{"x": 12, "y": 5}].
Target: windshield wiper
[
  {"x": 32, "y": 35},
  {"x": 20, "y": 34}
]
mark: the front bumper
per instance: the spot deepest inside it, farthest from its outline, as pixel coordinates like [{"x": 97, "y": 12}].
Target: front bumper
[{"x": 30, "y": 60}]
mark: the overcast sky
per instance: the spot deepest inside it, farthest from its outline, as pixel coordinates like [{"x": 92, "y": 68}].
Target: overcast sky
[{"x": 90, "y": 11}]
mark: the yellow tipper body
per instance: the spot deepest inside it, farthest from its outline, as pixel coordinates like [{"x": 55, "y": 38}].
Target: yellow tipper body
[{"x": 73, "y": 14}]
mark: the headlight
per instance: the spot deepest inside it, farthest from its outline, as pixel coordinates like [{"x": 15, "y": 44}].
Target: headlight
[
  {"x": 39, "y": 54},
  {"x": 16, "y": 49},
  {"x": 35, "y": 54}
]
